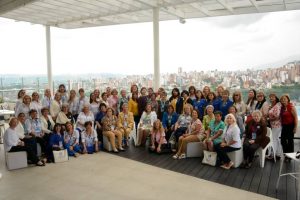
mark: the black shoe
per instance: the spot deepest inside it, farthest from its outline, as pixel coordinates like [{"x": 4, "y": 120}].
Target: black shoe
[
  {"x": 243, "y": 165},
  {"x": 249, "y": 165}
]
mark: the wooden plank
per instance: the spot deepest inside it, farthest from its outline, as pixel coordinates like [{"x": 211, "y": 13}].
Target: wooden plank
[
  {"x": 264, "y": 183},
  {"x": 255, "y": 179}
]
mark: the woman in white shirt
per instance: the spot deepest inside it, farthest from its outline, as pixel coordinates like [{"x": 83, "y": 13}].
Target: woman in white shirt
[
  {"x": 35, "y": 103},
  {"x": 71, "y": 140},
  {"x": 19, "y": 101},
  {"x": 146, "y": 123},
  {"x": 231, "y": 141},
  {"x": 12, "y": 143},
  {"x": 63, "y": 93},
  {"x": 89, "y": 139},
  {"x": 64, "y": 115},
  {"x": 72, "y": 101},
  {"x": 47, "y": 121},
  {"x": 94, "y": 104},
  {"x": 85, "y": 116},
  {"x": 47, "y": 99},
  {"x": 55, "y": 106},
  {"x": 24, "y": 107}
]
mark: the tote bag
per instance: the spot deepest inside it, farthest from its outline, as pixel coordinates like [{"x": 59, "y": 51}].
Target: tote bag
[
  {"x": 209, "y": 158},
  {"x": 60, "y": 156}
]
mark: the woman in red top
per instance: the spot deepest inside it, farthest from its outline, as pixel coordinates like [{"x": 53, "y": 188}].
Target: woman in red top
[{"x": 289, "y": 120}]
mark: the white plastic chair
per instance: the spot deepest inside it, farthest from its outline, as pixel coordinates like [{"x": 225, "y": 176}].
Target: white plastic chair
[{"x": 262, "y": 152}]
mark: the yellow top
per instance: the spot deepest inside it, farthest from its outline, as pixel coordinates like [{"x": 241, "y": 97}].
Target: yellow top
[{"x": 133, "y": 107}]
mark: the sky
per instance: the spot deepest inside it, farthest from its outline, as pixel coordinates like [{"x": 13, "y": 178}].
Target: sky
[{"x": 224, "y": 43}]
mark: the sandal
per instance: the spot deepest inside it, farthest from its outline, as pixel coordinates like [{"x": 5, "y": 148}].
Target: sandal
[{"x": 40, "y": 164}]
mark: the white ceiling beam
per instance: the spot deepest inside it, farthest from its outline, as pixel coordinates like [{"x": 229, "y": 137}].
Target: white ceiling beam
[
  {"x": 202, "y": 9},
  {"x": 253, "y": 2},
  {"x": 173, "y": 11},
  {"x": 225, "y": 5},
  {"x": 12, "y": 5}
]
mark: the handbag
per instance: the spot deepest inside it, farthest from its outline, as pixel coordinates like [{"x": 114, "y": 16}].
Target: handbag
[
  {"x": 61, "y": 156},
  {"x": 210, "y": 158}
]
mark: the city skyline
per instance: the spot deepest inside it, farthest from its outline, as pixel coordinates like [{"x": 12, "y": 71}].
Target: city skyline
[{"x": 231, "y": 42}]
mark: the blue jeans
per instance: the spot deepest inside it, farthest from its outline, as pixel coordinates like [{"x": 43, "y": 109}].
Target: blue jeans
[{"x": 76, "y": 149}]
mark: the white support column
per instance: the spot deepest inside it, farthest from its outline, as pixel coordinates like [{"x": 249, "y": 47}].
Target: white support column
[
  {"x": 49, "y": 65},
  {"x": 156, "y": 48}
]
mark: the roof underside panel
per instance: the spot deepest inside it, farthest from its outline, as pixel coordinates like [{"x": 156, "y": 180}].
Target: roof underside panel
[{"x": 89, "y": 13}]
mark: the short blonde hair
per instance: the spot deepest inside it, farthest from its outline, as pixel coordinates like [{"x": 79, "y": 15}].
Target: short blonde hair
[
  {"x": 232, "y": 116},
  {"x": 257, "y": 112}
]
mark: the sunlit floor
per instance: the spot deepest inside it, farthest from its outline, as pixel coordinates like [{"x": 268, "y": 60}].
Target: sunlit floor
[{"x": 106, "y": 176}]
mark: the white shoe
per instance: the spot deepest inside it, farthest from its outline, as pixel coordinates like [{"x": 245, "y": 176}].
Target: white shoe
[
  {"x": 175, "y": 156},
  {"x": 182, "y": 156}
]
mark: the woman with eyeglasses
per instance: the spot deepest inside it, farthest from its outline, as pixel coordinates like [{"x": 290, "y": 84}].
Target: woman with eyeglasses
[
  {"x": 262, "y": 104},
  {"x": 239, "y": 104}
]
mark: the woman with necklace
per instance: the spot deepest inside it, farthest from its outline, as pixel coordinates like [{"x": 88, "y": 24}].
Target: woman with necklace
[
  {"x": 195, "y": 133},
  {"x": 110, "y": 130},
  {"x": 89, "y": 139},
  {"x": 225, "y": 103}
]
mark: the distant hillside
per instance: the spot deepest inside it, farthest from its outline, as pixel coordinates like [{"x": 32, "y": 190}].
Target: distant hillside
[{"x": 279, "y": 63}]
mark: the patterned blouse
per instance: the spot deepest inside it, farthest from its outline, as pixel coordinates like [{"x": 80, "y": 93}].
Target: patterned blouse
[{"x": 274, "y": 116}]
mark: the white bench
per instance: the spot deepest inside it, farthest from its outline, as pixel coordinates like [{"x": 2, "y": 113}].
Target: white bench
[
  {"x": 236, "y": 157},
  {"x": 194, "y": 149}
]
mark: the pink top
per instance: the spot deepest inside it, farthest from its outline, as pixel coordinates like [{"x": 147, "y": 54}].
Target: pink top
[
  {"x": 113, "y": 102},
  {"x": 274, "y": 115},
  {"x": 158, "y": 136}
]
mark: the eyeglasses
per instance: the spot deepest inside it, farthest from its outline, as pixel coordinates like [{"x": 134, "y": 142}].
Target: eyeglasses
[{"x": 236, "y": 95}]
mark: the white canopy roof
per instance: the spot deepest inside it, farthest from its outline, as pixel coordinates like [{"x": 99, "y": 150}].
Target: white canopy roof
[{"x": 88, "y": 13}]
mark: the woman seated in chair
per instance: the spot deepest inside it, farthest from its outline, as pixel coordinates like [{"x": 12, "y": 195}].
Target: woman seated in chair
[
  {"x": 109, "y": 127},
  {"x": 231, "y": 141},
  {"x": 89, "y": 139},
  {"x": 71, "y": 140},
  {"x": 214, "y": 132},
  {"x": 125, "y": 122},
  {"x": 256, "y": 136},
  {"x": 158, "y": 140},
  {"x": 195, "y": 133},
  {"x": 181, "y": 125},
  {"x": 64, "y": 116},
  {"x": 146, "y": 123},
  {"x": 12, "y": 143},
  {"x": 55, "y": 143}
]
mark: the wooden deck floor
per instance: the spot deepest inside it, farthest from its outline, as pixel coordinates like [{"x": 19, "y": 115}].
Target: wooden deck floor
[{"x": 256, "y": 179}]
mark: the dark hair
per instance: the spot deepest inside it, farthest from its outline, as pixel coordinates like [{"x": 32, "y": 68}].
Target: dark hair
[
  {"x": 218, "y": 113},
  {"x": 202, "y": 96},
  {"x": 103, "y": 93},
  {"x": 68, "y": 124},
  {"x": 134, "y": 85},
  {"x": 62, "y": 85},
  {"x": 32, "y": 111},
  {"x": 212, "y": 94},
  {"x": 19, "y": 93},
  {"x": 101, "y": 105},
  {"x": 192, "y": 88},
  {"x": 55, "y": 126},
  {"x": 44, "y": 109},
  {"x": 88, "y": 123},
  {"x": 135, "y": 93},
  {"x": 91, "y": 100},
  {"x": 21, "y": 113},
  {"x": 81, "y": 90},
  {"x": 175, "y": 90},
  {"x": 251, "y": 101},
  {"x": 185, "y": 92}
]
